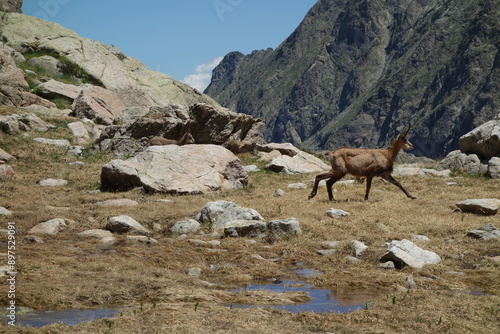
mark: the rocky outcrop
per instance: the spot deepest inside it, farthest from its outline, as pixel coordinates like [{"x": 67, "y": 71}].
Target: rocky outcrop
[
  {"x": 208, "y": 125},
  {"x": 354, "y": 73},
  {"x": 172, "y": 169},
  {"x": 14, "y": 90},
  {"x": 98, "y": 63},
  {"x": 11, "y": 6},
  {"x": 479, "y": 151},
  {"x": 483, "y": 140}
]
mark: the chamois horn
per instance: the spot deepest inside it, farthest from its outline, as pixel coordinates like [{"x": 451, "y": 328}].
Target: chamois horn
[{"x": 405, "y": 132}]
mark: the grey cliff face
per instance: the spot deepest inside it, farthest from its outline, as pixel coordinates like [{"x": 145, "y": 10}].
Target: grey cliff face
[
  {"x": 11, "y": 6},
  {"x": 355, "y": 73}
]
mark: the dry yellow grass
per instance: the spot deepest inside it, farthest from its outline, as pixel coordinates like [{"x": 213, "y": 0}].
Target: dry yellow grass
[{"x": 150, "y": 285}]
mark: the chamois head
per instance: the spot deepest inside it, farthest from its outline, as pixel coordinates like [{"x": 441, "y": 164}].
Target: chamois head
[{"x": 402, "y": 141}]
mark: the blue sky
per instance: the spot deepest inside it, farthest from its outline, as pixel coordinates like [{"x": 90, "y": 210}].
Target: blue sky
[{"x": 182, "y": 38}]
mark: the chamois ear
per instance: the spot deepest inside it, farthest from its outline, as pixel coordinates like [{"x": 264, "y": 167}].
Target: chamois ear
[{"x": 405, "y": 132}]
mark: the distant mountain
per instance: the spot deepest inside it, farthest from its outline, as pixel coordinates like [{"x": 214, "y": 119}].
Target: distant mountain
[{"x": 354, "y": 73}]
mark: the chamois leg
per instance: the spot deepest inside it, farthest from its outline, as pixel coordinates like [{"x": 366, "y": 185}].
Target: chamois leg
[
  {"x": 368, "y": 186},
  {"x": 319, "y": 177},
  {"x": 387, "y": 176},
  {"x": 330, "y": 183}
]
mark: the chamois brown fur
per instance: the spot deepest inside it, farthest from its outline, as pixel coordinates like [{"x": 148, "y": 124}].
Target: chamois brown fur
[
  {"x": 367, "y": 163},
  {"x": 186, "y": 139}
]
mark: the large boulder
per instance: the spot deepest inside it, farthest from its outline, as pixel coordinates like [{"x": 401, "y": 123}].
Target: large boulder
[
  {"x": 97, "y": 103},
  {"x": 189, "y": 169},
  {"x": 55, "y": 89},
  {"x": 483, "y": 140}
]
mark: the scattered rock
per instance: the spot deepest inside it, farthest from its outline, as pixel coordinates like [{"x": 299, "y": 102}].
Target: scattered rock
[
  {"x": 142, "y": 238},
  {"x": 410, "y": 283},
  {"x": 79, "y": 131},
  {"x": 96, "y": 233},
  {"x": 387, "y": 265},
  {"x": 50, "y": 227},
  {"x": 301, "y": 163},
  {"x": 278, "y": 193},
  {"x": 4, "y": 212},
  {"x": 5, "y": 157},
  {"x": 185, "y": 227},
  {"x": 284, "y": 227},
  {"x": 406, "y": 252},
  {"x": 6, "y": 171},
  {"x": 118, "y": 202},
  {"x": 194, "y": 272},
  {"x": 487, "y": 206},
  {"x": 251, "y": 168},
  {"x": 485, "y": 233},
  {"x": 33, "y": 239},
  {"x": 55, "y": 142},
  {"x": 494, "y": 168},
  {"x": 352, "y": 259},
  {"x": 298, "y": 186},
  {"x": 330, "y": 244},
  {"x": 188, "y": 169},
  {"x": 53, "y": 183},
  {"x": 421, "y": 238},
  {"x": 336, "y": 213},
  {"x": 245, "y": 228},
  {"x": 326, "y": 252},
  {"x": 457, "y": 160},
  {"x": 220, "y": 213},
  {"x": 125, "y": 224},
  {"x": 358, "y": 248}
]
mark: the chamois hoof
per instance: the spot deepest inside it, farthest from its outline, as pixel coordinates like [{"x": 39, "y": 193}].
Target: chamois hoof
[{"x": 412, "y": 197}]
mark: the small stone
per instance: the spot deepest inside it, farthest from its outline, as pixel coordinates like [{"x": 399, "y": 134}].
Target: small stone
[
  {"x": 185, "y": 227},
  {"x": 421, "y": 238},
  {"x": 55, "y": 142},
  {"x": 326, "y": 252},
  {"x": 53, "y": 183},
  {"x": 353, "y": 259},
  {"x": 33, "y": 239},
  {"x": 124, "y": 224},
  {"x": 359, "y": 248},
  {"x": 282, "y": 227},
  {"x": 96, "y": 233},
  {"x": 298, "y": 186},
  {"x": 194, "y": 272},
  {"x": 278, "y": 193},
  {"x": 251, "y": 169},
  {"x": 336, "y": 213},
  {"x": 118, "y": 202},
  {"x": 387, "y": 265},
  {"x": 142, "y": 238},
  {"x": 5, "y": 212},
  {"x": 330, "y": 244}
]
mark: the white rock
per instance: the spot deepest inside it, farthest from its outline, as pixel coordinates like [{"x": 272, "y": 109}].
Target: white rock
[
  {"x": 298, "y": 186},
  {"x": 220, "y": 213},
  {"x": 55, "y": 142},
  {"x": 53, "y": 183},
  {"x": 406, "y": 252},
  {"x": 124, "y": 224},
  {"x": 278, "y": 193},
  {"x": 336, "y": 213},
  {"x": 50, "y": 227},
  {"x": 185, "y": 227},
  {"x": 95, "y": 233}
]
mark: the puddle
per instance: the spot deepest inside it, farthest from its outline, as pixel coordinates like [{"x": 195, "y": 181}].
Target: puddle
[
  {"x": 32, "y": 318},
  {"x": 322, "y": 300}
]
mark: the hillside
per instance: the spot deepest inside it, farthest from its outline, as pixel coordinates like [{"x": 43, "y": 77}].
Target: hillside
[{"x": 354, "y": 73}]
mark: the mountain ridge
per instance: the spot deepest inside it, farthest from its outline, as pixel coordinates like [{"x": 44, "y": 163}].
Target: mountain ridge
[{"x": 356, "y": 73}]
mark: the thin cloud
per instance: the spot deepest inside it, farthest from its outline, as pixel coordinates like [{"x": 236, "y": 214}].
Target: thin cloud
[{"x": 201, "y": 76}]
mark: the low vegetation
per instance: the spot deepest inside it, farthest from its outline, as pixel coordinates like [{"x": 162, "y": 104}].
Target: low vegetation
[{"x": 150, "y": 286}]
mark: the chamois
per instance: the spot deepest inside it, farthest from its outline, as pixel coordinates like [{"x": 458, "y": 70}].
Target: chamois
[
  {"x": 367, "y": 163},
  {"x": 186, "y": 139}
]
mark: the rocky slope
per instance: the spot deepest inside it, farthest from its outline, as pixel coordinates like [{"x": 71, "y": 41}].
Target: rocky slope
[
  {"x": 354, "y": 73},
  {"x": 97, "y": 63}
]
